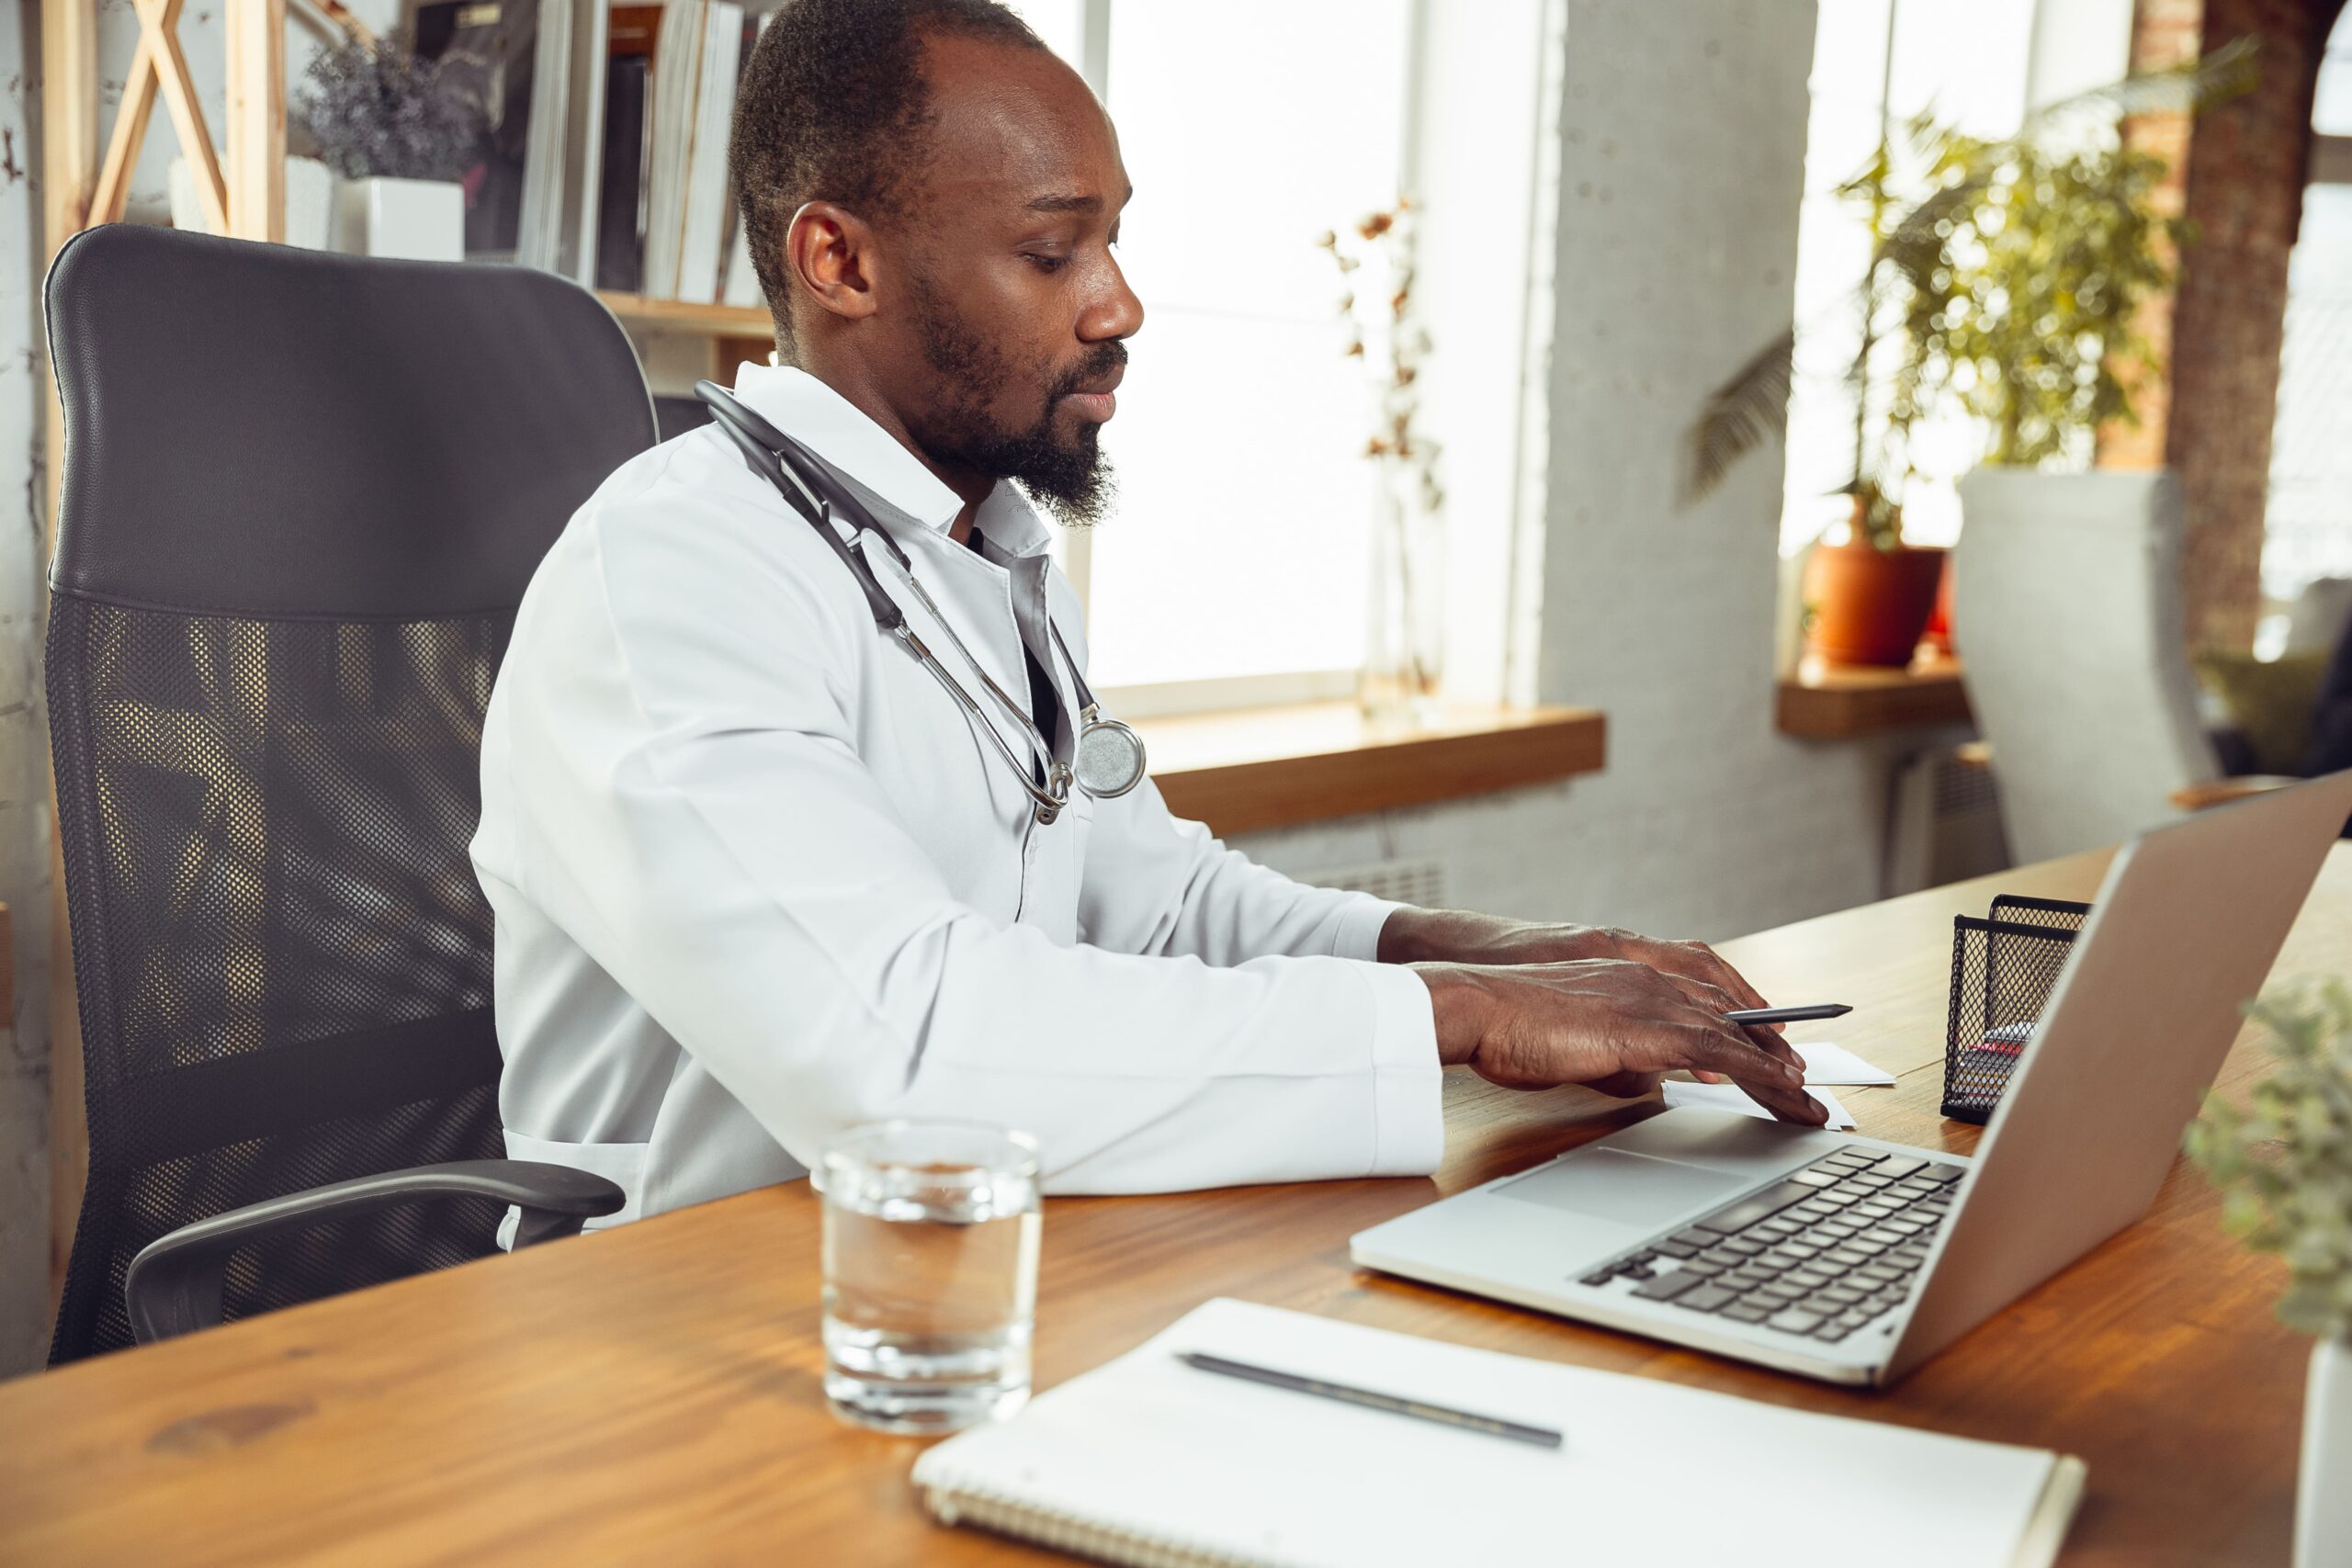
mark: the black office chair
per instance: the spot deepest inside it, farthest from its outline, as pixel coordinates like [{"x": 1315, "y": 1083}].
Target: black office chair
[{"x": 303, "y": 495}]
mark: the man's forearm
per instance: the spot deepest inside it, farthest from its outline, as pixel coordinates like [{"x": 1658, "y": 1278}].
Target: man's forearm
[{"x": 1462, "y": 936}]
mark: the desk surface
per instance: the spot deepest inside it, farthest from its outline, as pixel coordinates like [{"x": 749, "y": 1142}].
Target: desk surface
[{"x": 656, "y": 1388}]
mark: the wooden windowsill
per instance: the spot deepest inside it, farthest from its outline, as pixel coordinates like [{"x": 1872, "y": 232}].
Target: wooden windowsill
[
  {"x": 1837, "y": 701},
  {"x": 1275, "y": 767}
]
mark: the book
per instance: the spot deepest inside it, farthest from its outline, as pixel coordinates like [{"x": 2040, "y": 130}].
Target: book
[
  {"x": 632, "y": 40},
  {"x": 704, "y": 220},
  {"x": 677, "y": 79},
  {"x": 1148, "y": 1460}
]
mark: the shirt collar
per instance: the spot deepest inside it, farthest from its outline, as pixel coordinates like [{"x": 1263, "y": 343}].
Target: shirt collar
[{"x": 843, "y": 435}]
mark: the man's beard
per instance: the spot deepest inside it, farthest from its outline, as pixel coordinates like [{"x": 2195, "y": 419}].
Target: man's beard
[{"x": 1072, "y": 481}]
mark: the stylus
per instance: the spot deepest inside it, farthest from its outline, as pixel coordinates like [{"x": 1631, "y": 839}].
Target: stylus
[{"x": 1789, "y": 1015}]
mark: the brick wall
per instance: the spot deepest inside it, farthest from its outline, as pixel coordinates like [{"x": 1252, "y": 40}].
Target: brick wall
[{"x": 2237, "y": 173}]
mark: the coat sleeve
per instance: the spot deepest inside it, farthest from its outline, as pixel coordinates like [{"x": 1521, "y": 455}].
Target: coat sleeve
[
  {"x": 1155, "y": 882},
  {"x": 701, "y": 825}
]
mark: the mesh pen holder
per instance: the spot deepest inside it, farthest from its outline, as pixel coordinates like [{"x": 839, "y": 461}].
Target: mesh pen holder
[{"x": 2003, "y": 969}]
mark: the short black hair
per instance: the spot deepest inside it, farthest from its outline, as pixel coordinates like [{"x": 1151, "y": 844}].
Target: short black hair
[{"x": 832, "y": 108}]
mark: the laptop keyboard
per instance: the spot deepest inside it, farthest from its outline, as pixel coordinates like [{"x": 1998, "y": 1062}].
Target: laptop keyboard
[{"x": 1824, "y": 1252}]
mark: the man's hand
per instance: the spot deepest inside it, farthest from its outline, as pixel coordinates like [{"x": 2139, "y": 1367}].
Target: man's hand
[
  {"x": 1453, "y": 936},
  {"x": 1610, "y": 1024}
]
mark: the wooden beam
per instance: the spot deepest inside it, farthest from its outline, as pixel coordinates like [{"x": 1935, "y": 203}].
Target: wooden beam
[
  {"x": 257, "y": 137},
  {"x": 162, "y": 17},
  {"x": 69, "y": 96}
]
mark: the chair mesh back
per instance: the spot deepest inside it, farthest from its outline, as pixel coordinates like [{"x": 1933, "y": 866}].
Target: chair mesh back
[{"x": 281, "y": 955}]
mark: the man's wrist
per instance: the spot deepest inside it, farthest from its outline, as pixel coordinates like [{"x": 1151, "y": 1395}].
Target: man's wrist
[{"x": 1459, "y": 1003}]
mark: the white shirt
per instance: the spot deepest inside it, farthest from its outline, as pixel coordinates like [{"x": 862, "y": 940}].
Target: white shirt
[{"x": 758, "y": 878}]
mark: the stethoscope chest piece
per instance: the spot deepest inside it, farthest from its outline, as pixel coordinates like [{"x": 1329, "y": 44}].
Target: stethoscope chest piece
[{"x": 1109, "y": 759}]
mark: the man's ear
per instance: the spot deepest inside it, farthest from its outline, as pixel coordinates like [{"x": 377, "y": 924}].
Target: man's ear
[{"x": 829, "y": 253}]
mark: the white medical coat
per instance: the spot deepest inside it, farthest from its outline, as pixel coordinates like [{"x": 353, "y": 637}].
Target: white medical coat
[{"x": 757, "y": 878}]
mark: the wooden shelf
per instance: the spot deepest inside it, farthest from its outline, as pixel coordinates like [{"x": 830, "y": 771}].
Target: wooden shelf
[
  {"x": 684, "y": 316},
  {"x": 1837, "y": 701},
  {"x": 1277, "y": 767}
]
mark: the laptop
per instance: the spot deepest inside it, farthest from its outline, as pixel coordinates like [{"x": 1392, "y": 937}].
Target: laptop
[{"x": 1852, "y": 1259}]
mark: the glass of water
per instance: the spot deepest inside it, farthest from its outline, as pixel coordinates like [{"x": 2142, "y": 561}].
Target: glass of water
[{"x": 931, "y": 1273}]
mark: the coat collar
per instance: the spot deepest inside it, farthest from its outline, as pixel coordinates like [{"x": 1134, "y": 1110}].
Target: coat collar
[{"x": 839, "y": 432}]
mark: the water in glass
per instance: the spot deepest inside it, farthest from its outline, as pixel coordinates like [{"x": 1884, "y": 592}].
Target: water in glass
[{"x": 931, "y": 1273}]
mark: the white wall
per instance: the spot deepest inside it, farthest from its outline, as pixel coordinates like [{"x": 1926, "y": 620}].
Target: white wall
[
  {"x": 1681, "y": 157},
  {"x": 24, "y": 769}
]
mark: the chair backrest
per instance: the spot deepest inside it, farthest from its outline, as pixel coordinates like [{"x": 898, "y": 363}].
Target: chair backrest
[
  {"x": 2066, "y": 610},
  {"x": 303, "y": 495}
]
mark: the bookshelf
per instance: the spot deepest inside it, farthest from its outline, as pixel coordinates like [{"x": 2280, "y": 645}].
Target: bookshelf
[{"x": 642, "y": 314}]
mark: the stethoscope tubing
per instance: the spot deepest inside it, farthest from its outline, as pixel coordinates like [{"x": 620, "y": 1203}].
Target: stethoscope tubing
[{"x": 772, "y": 455}]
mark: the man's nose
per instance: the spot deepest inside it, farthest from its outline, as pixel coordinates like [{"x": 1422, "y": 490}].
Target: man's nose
[{"x": 1117, "y": 314}]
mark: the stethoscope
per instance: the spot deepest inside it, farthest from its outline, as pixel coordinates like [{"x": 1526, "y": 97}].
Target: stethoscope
[{"x": 1108, "y": 760}]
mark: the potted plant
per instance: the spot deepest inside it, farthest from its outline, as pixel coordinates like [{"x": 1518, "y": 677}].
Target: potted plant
[
  {"x": 398, "y": 137},
  {"x": 2284, "y": 1165},
  {"x": 2004, "y": 283}
]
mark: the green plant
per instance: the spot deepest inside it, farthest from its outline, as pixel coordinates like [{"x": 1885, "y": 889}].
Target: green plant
[
  {"x": 2284, "y": 1162},
  {"x": 377, "y": 110},
  {"x": 2004, "y": 281}
]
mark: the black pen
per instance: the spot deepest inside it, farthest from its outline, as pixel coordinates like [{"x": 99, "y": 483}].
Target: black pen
[
  {"x": 1494, "y": 1427},
  {"x": 1789, "y": 1015}
]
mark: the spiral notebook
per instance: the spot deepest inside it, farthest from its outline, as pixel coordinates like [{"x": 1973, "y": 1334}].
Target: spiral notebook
[{"x": 1148, "y": 1461}]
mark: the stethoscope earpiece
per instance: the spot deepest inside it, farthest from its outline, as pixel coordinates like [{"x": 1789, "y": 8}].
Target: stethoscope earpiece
[{"x": 1108, "y": 759}]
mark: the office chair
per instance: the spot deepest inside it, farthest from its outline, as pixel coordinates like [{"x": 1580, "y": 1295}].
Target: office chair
[{"x": 302, "y": 494}]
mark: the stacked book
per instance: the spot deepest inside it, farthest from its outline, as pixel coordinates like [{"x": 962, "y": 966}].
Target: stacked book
[{"x": 605, "y": 152}]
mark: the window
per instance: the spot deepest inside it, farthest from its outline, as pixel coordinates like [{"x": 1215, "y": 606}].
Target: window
[
  {"x": 1234, "y": 565},
  {"x": 2307, "y": 530},
  {"x": 1878, "y": 62}
]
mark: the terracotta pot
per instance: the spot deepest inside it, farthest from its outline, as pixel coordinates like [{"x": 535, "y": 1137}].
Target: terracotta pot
[{"x": 1867, "y": 605}]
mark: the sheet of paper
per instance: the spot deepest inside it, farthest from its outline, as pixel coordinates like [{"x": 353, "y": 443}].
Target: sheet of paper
[
  {"x": 1731, "y": 1097},
  {"x": 1828, "y": 1062}
]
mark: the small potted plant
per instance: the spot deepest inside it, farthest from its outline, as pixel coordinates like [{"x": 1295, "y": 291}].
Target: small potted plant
[
  {"x": 2004, "y": 283},
  {"x": 398, "y": 137},
  {"x": 2284, "y": 1165}
]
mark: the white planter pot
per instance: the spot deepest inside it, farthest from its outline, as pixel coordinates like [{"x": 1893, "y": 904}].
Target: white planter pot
[
  {"x": 2323, "y": 1494},
  {"x": 413, "y": 219}
]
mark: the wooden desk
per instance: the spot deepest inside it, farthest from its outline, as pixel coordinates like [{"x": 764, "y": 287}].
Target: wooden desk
[{"x": 653, "y": 1392}]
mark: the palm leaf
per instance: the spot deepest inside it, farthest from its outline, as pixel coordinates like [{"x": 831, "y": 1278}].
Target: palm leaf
[
  {"x": 2193, "y": 84},
  {"x": 1739, "y": 414}
]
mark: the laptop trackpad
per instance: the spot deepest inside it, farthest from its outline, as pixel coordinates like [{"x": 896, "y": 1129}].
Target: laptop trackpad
[{"x": 1628, "y": 1189}]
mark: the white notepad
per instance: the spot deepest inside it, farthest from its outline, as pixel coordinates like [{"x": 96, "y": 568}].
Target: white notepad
[{"x": 1149, "y": 1462}]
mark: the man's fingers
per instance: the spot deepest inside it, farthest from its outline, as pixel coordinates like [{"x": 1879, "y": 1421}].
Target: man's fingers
[
  {"x": 1789, "y": 1105},
  {"x": 1717, "y": 1047}
]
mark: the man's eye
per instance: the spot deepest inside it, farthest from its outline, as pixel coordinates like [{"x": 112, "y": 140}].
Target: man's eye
[{"x": 1050, "y": 264}]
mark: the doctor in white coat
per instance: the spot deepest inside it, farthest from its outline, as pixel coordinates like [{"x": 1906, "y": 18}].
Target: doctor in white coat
[{"x": 758, "y": 875}]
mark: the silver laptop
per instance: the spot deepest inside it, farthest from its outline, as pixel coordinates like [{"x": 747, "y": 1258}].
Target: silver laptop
[{"x": 1852, "y": 1259}]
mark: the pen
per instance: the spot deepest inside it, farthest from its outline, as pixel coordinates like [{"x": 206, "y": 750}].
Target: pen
[
  {"x": 1789, "y": 1015},
  {"x": 1494, "y": 1427}
]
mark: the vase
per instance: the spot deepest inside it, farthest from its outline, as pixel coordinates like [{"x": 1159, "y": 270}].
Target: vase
[
  {"x": 411, "y": 220},
  {"x": 1404, "y": 640},
  {"x": 2324, "y": 1491}
]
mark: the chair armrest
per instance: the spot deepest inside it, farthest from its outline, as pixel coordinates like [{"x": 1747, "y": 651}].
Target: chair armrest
[
  {"x": 2221, "y": 792},
  {"x": 174, "y": 1286}
]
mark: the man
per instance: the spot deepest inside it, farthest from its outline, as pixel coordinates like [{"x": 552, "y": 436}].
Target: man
[{"x": 759, "y": 877}]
